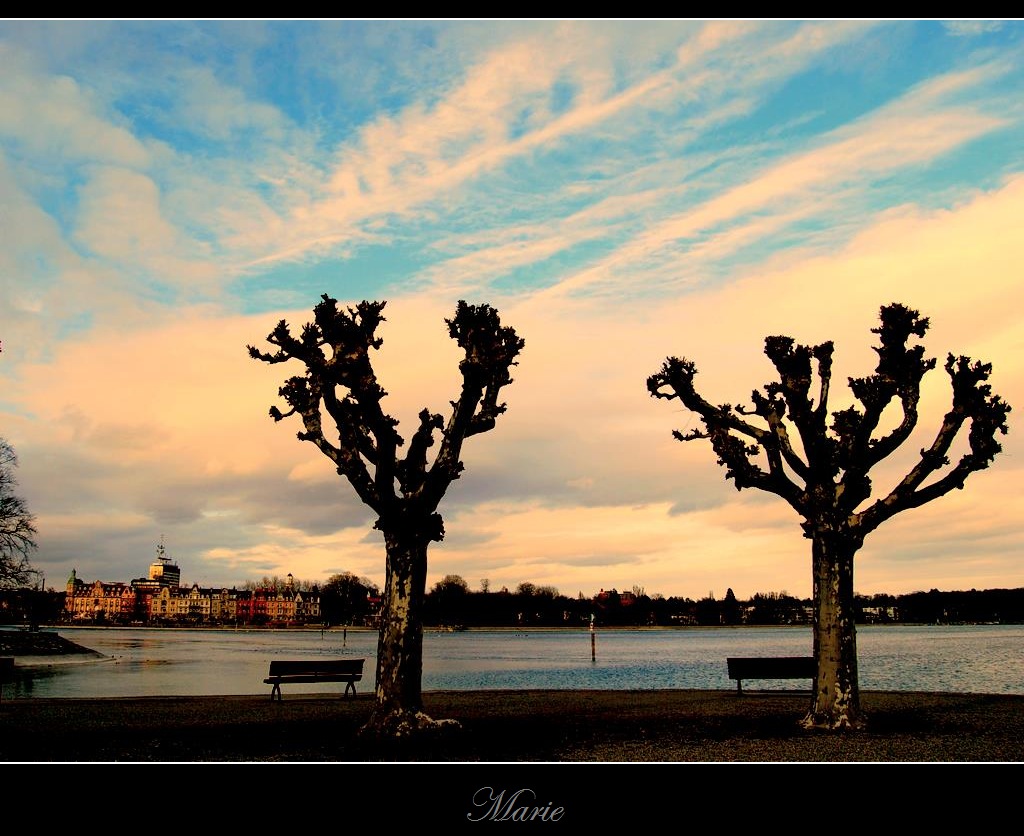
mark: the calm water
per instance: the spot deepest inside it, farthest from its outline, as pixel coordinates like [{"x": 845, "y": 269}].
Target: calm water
[{"x": 156, "y": 662}]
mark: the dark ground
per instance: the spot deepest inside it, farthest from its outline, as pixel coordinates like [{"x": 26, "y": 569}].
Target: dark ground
[{"x": 515, "y": 726}]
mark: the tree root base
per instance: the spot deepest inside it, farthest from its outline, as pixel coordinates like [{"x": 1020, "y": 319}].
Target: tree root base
[
  {"x": 406, "y": 725},
  {"x": 827, "y": 722}
]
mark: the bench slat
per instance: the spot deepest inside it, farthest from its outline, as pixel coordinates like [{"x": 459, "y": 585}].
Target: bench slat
[
  {"x": 282, "y": 667},
  {"x": 337, "y": 677},
  {"x": 770, "y": 667},
  {"x": 6, "y": 672}
]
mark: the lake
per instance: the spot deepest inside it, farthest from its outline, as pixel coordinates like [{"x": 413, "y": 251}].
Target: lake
[{"x": 181, "y": 662}]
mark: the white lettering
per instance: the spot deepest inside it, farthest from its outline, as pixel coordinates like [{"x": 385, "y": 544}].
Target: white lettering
[{"x": 498, "y": 808}]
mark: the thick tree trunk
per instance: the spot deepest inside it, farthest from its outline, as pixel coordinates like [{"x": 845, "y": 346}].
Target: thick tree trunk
[
  {"x": 398, "y": 710},
  {"x": 836, "y": 701}
]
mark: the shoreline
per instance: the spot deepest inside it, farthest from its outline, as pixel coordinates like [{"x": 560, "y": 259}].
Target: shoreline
[{"x": 514, "y": 726}]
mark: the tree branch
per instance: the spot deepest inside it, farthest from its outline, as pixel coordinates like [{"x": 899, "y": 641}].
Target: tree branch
[
  {"x": 413, "y": 470},
  {"x": 490, "y": 351},
  {"x": 793, "y": 363},
  {"x": 734, "y": 454},
  {"x": 17, "y": 525},
  {"x": 973, "y": 402},
  {"x": 773, "y": 411},
  {"x": 335, "y": 348},
  {"x": 898, "y": 374}
]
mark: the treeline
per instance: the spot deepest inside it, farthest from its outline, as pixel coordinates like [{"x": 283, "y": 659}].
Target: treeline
[
  {"x": 975, "y": 606},
  {"x": 346, "y": 599},
  {"x": 451, "y": 604}
]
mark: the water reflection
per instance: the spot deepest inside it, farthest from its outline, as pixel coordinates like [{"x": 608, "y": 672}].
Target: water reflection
[{"x": 139, "y": 662}]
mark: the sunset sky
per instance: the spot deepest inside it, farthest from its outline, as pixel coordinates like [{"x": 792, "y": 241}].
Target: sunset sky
[{"x": 621, "y": 191}]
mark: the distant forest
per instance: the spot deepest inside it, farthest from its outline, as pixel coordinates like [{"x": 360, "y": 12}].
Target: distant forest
[
  {"x": 451, "y": 604},
  {"x": 346, "y": 599}
]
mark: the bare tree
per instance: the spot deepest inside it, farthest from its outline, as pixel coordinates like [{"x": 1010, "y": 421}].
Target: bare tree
[
  {"x": 404, "y": 493},
  {"x": 823, "y": 471},
  {"x": 17, "y": 526}
]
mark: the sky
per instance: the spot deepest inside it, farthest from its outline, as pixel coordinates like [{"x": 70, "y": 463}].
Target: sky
[{"x": 621, "y": 191}]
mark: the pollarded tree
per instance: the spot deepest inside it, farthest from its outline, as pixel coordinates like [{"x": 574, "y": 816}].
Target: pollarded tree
[
  {"x": 340, "y": 384},
  {"x": 17, "y": 526},
  {"x": 823, "y": 472}
]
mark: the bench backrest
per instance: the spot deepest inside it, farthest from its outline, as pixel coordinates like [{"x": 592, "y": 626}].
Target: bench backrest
[
  {"x": 767, "y": 667},
  {"x": 279, "y": 667}
]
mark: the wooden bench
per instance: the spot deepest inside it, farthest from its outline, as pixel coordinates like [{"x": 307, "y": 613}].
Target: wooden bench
[
  {"x": 770, "y": 667},
  {"x": 349, "y": 671},
  {"x": 6, "y": 672}
]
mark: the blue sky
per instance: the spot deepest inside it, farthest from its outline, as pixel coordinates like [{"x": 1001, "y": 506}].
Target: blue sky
[{"x": 620, "y": 190}]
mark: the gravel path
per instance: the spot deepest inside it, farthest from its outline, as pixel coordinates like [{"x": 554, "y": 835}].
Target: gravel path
[{"x": 536, "y": 726}]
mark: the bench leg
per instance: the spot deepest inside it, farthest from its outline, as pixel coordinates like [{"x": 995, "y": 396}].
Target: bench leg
[
  {"x": 739, "y": 686},
  {"x": 275, "y": 690},
  {"x": 350, "y": 686}
]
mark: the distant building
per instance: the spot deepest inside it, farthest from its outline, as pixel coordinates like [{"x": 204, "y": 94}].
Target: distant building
[
  {"x": 99, "y": 601},
  {"x": 613, "y": 597},
  {"x": 160, "y": 599}
]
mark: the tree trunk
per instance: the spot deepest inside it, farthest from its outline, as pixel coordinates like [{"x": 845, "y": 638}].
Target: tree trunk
[
  {"x": 836, "y": 700},
  {"x": 398, "y": 710}
]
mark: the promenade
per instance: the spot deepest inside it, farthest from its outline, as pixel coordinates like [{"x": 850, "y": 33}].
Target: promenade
[{"x": 670, "y": 726}]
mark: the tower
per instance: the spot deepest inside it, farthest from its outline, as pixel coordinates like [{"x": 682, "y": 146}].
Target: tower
[{"x": 163, "y": 569}]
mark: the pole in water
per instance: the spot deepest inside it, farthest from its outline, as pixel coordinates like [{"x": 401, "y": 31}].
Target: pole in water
[{"x": 593, "y": 640}]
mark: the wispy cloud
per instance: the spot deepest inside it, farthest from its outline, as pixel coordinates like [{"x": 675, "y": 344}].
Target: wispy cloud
[
  {"x": 971, "y": 28},
  {"x": 620, "y": 190},
  {"x": 502, "y": 112},
  {"x": 54, "y": 116},
  {"x": 899, "y": 135}
]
